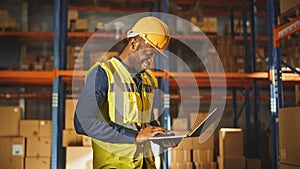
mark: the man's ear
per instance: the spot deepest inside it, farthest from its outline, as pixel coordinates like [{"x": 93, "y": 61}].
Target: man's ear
[{"x": 133, "y": 44}]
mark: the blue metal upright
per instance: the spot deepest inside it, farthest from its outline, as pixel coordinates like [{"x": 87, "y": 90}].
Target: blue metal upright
[
  {"x": 253, "y": 24},
  {"x": 247, "y": 130},
  {"x": 58, "y": 91},
  {"x": 276, "y": 97},
  {"x": 164, "y": 81}
]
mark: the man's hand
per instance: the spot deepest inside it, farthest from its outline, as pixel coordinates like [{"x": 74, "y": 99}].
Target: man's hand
[{"x": 149, "y": 131}]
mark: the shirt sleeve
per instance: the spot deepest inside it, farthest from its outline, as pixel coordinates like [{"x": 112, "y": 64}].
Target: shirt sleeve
[{"x": 88, "y": 118}]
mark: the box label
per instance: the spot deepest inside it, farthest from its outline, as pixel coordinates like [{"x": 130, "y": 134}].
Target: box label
[{"x": 17, "y": 149}]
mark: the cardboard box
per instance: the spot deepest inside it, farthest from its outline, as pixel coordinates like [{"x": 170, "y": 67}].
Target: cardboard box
[
  {"x": 45, "y": 128},
  {"x": 285, "y": 5},
  {"x": 201, "y": 165},
  {"x": 231, "y": 142},
  {"x": 29, "y": 128},
  {"x": 38, "y": 147},
  {"x": 203, "y": 155},
  {"x": 10, "y": 120},
  {"x": 69, "y": 113},
  {"x": 81, "y": 24},
  {"x": 72, "y": 14},
  {"x": 38, "y": 128},
  {"x": 37, "y": 163},
  {"x": 79, "y": 158},
  {"x": 180, "y": 124},
  {"x": 178, "y": 155},
  {"x": 12, "y": 147},
  {"x": 4, "y": 14},
  {"x": 208, "y": 144},
  {"x": 71, "y": 138},
  {"x": 185, "y": 144},
  {"x": 288, "y": 136},
  {"x": 12, "y": 152},
  {"x": 212, "y": 25},
  {"x": 186, "y": 165},
  {"x": 231, "y": 163},
  {"x": 12, "y": 163},
  {"x": 253, "y": 163}
]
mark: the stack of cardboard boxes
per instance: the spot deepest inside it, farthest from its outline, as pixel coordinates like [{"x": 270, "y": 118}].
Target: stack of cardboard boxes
[
  {"x": 24, "y": 143},
  {"x": 7, "y": 22},
  {"x": 75, "y": 59},
  {"x": 205, "y": 24},
  {"x": 231, "y": 149},
  {"x": 79, "y": 153},
  {"x": 238, "y": 27},
  {"x": 190, "y": 152},
  {"x": 286, "y": 5},
  {"x": 38, "y": 143},
  {"x": 75, "y": 23},
  {"x": 232, "y": 55},
  {"x": 181, "y": 156},
  {"x": 34, "y": 62},
  {"x": 12, "y": 145}
]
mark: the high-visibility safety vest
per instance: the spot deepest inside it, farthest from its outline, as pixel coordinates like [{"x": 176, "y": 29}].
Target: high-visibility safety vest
[{"x": 129, "y": 107}]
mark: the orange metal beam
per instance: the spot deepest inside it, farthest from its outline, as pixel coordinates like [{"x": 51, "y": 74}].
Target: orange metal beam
[
  {"x": 26, "y": 77},
  {"x": 201, "y": 78},
  {"x": 108, "y": 9},
  {"x": 25, "y": 95},
  {"x": 27, "y": 34},
  {"x": 262, "y": 38}
]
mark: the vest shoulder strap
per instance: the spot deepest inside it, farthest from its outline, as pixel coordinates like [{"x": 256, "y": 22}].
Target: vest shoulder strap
[{"x": 152, "y": 77}]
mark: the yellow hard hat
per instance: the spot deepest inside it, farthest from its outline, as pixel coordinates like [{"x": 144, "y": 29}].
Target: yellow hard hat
[{"x": 153, "y": 31}]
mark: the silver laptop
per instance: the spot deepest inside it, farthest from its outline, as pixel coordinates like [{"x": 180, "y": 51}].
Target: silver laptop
[{"x": 193, "y": 133}]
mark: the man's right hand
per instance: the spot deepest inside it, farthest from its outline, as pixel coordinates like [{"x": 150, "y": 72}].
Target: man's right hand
[{"x": 149, "y": 131}]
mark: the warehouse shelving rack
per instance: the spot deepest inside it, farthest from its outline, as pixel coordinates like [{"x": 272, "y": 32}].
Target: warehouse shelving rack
[
  {"x": 275, "y": 77},
  {"x": 276, "y": 33}
]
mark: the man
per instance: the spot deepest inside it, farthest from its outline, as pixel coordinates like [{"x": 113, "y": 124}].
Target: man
[{"x": 115, "y": 106}]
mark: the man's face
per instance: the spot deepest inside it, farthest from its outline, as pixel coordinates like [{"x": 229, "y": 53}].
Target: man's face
[{"x": 143, "y": 57}]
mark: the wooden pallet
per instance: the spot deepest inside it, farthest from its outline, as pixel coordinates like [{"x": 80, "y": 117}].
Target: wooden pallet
[{"x": 290, "y": 14}]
